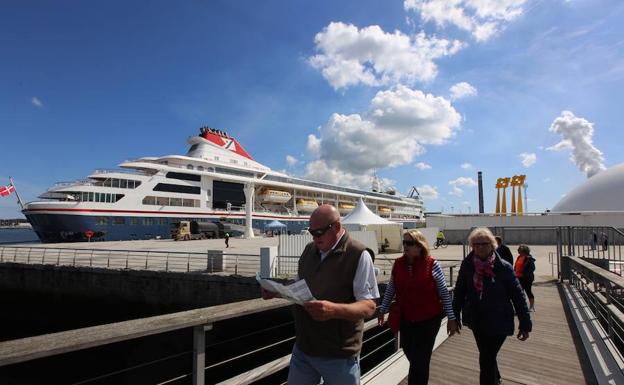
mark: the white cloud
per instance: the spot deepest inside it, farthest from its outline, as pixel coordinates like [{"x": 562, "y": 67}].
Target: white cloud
[
  {"x": 314, "y": 144},
  {"x": 462, "y": 181},
  {"x": 482, "y": 18},
  {"x": 36, "y": 102},
  {"x": 348, "y": 55},
  {"x": 577, "y": 135},
  {"x": 466, "y": 166},
  {"x": 528, "y": 159},
  {"x": 395, "y": 129},
  {"x": 291, "y": 160},
  {"x": 428, "y": 192},
  {"x": 462, "y": 90},
  {"x": 422, "y": 166}
]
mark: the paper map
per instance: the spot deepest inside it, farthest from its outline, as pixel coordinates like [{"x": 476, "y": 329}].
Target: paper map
[{"x": 298, "y": 292}]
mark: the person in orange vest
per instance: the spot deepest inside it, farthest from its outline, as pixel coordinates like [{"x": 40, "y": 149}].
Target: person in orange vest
[
  {"x": 524, "y": 268},
  {"x": 417, "y": 282}
]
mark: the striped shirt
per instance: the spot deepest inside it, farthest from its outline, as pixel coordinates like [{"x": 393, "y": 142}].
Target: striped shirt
[{"x": 438, "y": 276}]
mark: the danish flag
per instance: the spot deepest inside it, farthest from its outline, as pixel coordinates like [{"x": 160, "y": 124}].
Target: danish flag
[{"x": 5, "y": 191}]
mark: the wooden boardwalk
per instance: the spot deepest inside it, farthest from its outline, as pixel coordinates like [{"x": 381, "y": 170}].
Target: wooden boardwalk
[{"x": 549, "y": 356}]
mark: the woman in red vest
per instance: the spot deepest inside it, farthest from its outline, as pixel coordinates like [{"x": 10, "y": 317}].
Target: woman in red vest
[{"x": 417, "y": 282}]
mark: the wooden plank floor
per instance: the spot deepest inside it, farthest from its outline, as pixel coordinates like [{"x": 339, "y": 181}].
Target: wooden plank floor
[{"x": 549, "y": 356}]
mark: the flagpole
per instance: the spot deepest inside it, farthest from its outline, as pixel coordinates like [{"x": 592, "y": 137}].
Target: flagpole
[{"x": 19, "y": 200}]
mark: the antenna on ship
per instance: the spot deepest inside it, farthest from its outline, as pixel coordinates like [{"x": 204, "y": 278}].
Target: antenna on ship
[{"x": 376, "y": 187}]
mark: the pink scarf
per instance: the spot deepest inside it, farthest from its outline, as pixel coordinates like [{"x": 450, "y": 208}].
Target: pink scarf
[{"x": 482, "y": 268}]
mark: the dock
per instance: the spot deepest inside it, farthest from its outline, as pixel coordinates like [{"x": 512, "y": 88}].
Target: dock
[{"x": 577, "y": 337}]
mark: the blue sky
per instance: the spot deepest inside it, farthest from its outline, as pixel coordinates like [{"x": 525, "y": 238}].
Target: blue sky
[{"x": 324, "y": 90}]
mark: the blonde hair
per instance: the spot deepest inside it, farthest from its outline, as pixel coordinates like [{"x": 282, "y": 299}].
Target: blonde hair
[
  {"x": 420, "y": 238},
  {"x": 482, "y": 232}
]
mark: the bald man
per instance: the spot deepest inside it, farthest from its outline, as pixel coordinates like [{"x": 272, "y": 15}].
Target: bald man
[{"x": 340, "y": 273}]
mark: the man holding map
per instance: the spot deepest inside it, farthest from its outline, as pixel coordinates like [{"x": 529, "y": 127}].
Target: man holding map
[{"x": 340, "y": 274}]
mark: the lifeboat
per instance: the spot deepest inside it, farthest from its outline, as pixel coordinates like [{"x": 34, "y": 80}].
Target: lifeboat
[
  {"x": 273, "y": 196},
  {"x": 306, "y": 205},
  {"x": 345, "y": 208}
]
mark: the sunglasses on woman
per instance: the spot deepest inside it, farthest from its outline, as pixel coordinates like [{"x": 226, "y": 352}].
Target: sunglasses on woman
[{"x": 410, "y": 243}]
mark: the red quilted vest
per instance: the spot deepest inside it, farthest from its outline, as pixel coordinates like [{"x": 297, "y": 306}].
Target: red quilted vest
[{"x": 416, "y": 291}]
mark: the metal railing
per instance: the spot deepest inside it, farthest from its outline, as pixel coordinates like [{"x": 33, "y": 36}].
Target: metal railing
[
  {"x": 603, "y": 292},
  {"x": 595, "y": 242},
  {"x": 212, "y": 261},
  {"x": 203, "y": 355}
]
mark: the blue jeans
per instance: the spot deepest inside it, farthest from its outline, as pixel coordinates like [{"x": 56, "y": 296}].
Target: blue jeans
[{"x": 308, "y": 370}]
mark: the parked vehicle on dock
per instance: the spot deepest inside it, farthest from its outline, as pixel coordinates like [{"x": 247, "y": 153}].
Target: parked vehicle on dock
[{"x": 189, "y": 230}]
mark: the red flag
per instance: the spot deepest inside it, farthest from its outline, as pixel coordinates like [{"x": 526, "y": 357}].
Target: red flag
[{"x": 5, "y": 191}]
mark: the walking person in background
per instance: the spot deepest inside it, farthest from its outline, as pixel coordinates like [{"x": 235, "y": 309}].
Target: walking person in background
[
  {"x": 524, "y": 268},
  {"x": 417, "y": 282},
  {"x": 486, "y": 294},
  {"x": 503, "y": 251},
  {"x": 227, "y": 239},
  {"x": 604, "y": 240}
]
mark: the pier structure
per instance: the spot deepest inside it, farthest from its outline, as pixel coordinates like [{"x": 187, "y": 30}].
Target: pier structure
[{"x": 578, "y": 335}]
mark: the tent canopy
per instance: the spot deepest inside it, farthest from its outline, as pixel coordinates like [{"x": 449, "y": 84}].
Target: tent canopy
[
  {"x": 362, "y": 215},
  {"x": 275, "y": 225}
]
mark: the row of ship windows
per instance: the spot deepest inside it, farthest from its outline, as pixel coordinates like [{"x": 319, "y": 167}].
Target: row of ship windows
[
  {"x": 98, "y": 197},
  {"x": 167, "y": 201},
  {"x": 119, "y": 183},
  {"x": 104, "y": 221}
]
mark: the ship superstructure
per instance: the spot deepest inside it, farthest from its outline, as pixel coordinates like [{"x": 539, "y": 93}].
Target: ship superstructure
[{"x": 217, "y": 180}]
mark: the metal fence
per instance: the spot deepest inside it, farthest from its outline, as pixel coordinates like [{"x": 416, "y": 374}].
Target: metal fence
[
  {"x": 603, "y": 293},
  {"x": 212, "y": 261}
]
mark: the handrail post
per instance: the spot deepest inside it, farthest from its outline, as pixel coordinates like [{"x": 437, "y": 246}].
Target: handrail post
[
  {"x": 43, "y": 257},
  {"x": 74, "y": 263},
  {"x": 199, "y": 353},
  {"x": 188, "y": 263},
  {"x": 28, "y": 257},
  {"x": 146, "y": 257},
  {"x": 91, "y": 257}
]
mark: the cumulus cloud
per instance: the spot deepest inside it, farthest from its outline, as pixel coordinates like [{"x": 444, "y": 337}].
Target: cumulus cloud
[
  {"x": 577, "y": 135},
  {"x": 347, "y": 55},
  {"x": 482, "y": 18},
  {"x": 428, "y": 192},
  {"x": 466, "y": 166},
  {"x": 396, "y": 128},
  {"x": 462, "y": 90},
  {"x": 291, "y": 160},
  {"x": 528, "y": 158},
  {"x": 36, "y": 102},
  {"x": 422, "y": 166},
  {"x": 462, "y": 181}
]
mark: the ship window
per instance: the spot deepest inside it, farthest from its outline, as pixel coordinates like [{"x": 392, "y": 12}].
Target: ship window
[
  {"x": 107, "y": 183},
  {"x": 177, "y": 188},
  {"x": 189, "y": 166},
  {"x": 134, "y": 221},
  {"x": 149, "y": 200},
  {"x": 175, "y": 202},
  {"x": 101, "y": 220},
  {"x": 200, "y": 168},
  {"x": 183, "y": 176},
  {"x": 233, "y": 161},
  {"x": 119, "y": 221},
  {"x": 90, "y": 197},
  {"x": 216, "y": 158},
  {"x": 108, "y": 198},
  {"x": 123, "y": 183},
  {"x": 118, "y": 197},
  {"x": 148, "y": 221},
  {"x": 164, "y": 221},
  {"x": 188, "y": 202},
  {"x": 162, "y": 201},
  {"x": 115, "y": 183}
]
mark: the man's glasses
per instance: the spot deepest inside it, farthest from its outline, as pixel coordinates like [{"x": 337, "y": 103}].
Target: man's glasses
[
  {"x": 410, "y": 243},
  {"x": 319, "y": 232}
]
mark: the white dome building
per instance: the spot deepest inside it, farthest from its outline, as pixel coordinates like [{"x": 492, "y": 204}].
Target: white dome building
[{"x": 602, "y": 192}]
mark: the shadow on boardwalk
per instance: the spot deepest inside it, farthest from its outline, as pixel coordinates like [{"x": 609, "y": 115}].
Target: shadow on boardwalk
[{"x": 549, "y": 356}]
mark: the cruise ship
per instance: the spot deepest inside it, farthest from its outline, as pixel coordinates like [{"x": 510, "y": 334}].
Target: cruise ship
[{"x": 217, "y": 180}]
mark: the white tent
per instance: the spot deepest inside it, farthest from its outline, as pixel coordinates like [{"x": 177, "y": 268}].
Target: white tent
[{"x": 362, "y": 219}]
